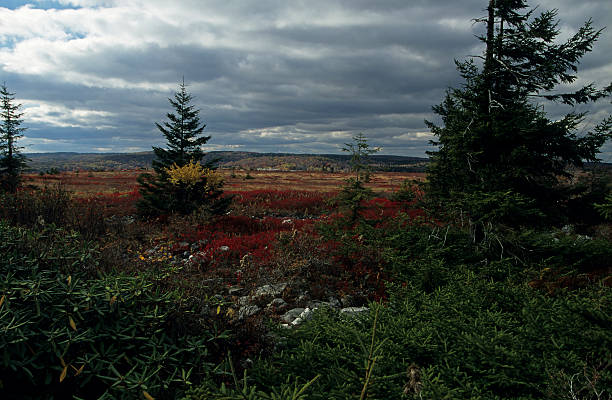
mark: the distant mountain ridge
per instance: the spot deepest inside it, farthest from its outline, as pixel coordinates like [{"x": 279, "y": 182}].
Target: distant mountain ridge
[{"x": 44, "y": 162}]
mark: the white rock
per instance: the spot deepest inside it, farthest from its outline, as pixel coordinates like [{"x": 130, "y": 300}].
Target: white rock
[
  {"x": 277, "y": 304},
  {"x": 353, "y": 311},
  {"x": 306, "y": 314},
  {"x": 270, "y": 290},
  {"x": 292, "y": 314},
  {"x": 247, "y": 311}
]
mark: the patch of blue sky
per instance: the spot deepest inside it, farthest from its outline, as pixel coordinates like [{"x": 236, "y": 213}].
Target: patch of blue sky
[
  {"x": 8, "y": 42},
  {"x": 74, "y": 35},
  {"x": 42, "y": 4}
]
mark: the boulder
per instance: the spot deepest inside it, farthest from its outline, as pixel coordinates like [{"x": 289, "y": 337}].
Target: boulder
[
  {"x": 247, "y": 311},
  {"x": 270, "y": 290},
  {"x": 353, "y": 311},
  {"x": 292, "y": 314}
]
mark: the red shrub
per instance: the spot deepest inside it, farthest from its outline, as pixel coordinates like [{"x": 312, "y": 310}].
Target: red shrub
[
  {"x": 281, "y": 202},
  {"x": 113, "y": 203}
]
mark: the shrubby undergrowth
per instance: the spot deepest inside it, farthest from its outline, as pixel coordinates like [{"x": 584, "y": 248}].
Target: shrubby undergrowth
[
  {"x": 116, "y": 310},
  {"x": 68, "y": 333}
]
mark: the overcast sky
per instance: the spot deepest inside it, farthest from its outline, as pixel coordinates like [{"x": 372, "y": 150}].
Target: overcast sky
[{"x": 268, "y": 75}]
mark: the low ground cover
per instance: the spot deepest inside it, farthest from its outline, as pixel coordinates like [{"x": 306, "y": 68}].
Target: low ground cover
[{"x": 284, "y": 297}]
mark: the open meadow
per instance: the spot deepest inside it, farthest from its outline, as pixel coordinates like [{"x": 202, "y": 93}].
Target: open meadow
[{"x": 86, "y": 183}]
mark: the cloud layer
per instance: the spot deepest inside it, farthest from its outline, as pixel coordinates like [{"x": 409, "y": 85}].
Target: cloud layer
[{"x": 268, "y": 75}]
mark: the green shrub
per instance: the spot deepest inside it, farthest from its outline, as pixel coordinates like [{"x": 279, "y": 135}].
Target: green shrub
[
  {"x": 470, "y": 338},
  {"x": 460, "y": 322},
  {"x": 65, "y": 334},
  {"x": 605, "y": 209}
]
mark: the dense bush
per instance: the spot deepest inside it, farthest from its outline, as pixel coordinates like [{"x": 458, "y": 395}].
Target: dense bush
[
  {"x": 460, "y": 322},
  {"x": 66, "y": 334},
  {"x": 282, "y": 203},
  {"x": 469, "y": 339},
  {"x": 54, "y": 205}
]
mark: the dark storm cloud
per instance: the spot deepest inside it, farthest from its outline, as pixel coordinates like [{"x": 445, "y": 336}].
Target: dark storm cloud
[{"x": 267, "y": 75}]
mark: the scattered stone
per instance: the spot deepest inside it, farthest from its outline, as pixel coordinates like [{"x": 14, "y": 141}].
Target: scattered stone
[
  {"x": 303, "y": 298},
  {"x": 247, "y": 311},
  {"x": 306, "y": 314},
  {"x": 197, "y": 257},
  {"x": 292, "y": 314},
  {"x": 314, "y": 304},
  {"x": 244, "y": 300},
  {"x": 334, "y": 302},
  {"x": 277, "y": 304},
  {"x": 270, "y": 290},
  {"x": 353, "y": 311}
]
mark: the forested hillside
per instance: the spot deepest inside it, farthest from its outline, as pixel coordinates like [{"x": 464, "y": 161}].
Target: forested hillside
[{"x": 44, "y": 162}]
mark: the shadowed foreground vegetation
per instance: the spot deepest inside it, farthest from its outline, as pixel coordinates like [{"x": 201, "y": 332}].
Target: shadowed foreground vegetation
[{"x": 96, "y": 304}]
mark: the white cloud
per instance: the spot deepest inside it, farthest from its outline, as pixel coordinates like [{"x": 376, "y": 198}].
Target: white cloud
[
  {"x": 58, "y": 115},
  {"x": 267, "y": 74},
  {"x": 39, "y": 145}
]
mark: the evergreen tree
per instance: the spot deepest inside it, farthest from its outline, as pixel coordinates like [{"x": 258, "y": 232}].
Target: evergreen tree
[
  {"x": 354, "y": 193},
  {"x": 495, "y": 139},
  {"x": 12, "y": 162},
  {"x": 181, "y": 184}
]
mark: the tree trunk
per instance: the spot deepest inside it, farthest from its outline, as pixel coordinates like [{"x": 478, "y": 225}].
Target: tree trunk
[{"x": 488, "y": 64}]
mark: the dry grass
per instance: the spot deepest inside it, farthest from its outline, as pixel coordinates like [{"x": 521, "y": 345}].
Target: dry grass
[
  {"x": 85, "y": 184},
  {"x": 90, "y": 183}
]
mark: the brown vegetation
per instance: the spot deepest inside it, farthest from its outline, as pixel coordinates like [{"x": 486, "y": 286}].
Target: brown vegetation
[{"x": 86, "y": 183}]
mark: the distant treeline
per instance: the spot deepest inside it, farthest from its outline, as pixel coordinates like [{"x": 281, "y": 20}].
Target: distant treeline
[{"x": 51, "y": 162}]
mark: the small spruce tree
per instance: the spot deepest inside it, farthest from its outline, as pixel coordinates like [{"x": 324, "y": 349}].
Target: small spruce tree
[
  {"x": 355, "y": 192},
  {"x": 12, "y": 161},
  {"x": 495, "y": 140},
  {"x": 181, "y": 184}
]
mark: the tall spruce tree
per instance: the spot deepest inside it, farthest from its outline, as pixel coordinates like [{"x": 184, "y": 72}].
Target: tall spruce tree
[
  {"x": 12, "y": 161},
  {"x": 495, "y": 140},
  {"x": 181, "y": 184}
]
